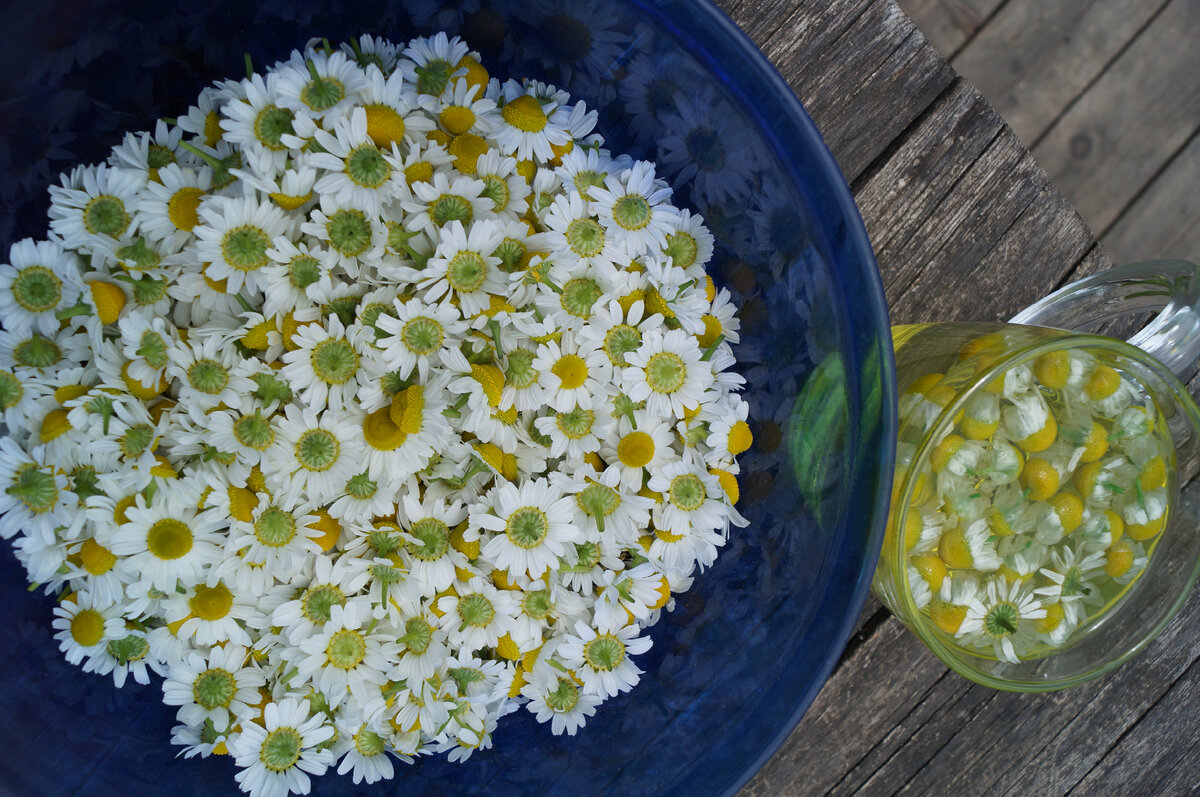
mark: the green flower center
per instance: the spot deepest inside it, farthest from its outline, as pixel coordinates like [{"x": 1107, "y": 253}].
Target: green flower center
[
  {"x": 361, "y": 487},
  {"x": 208, "y": 376},
  {"x": 511, "y": 252},
  {"x": 576, "y": 423},
  {"x": 139, "y": 254},
  {"x": 434, "y": 537},
  {"x": 153, "y": 349},
  {"x": 34, "y": 487},
  {"x": 619, "y": 341},
  {"x": 37, "y": 351},
  {"x": 245, "y": 248},
  {"x": 158, "y": 156},
  {"x": 704, "y": 146},
  {"x": 169, "y": 539},
  {"x": 367, "y": 167},
  {"x": 349, "y": 232},
  {"x": 417, "y": 635},
  {"x": 214, "y": 689},
  {"x": 665, "y": 372},
  {"x": 334, "y": 361},
  {"x": 128, "y": 648},
  {"x": 10, "y": 390},
  {"x": 682, "y": 249},
  {"x": 466, "y": 271},
  {"x": 275, "y": 528},
  {"x": 271, "y": 388},
  {"x": 1002, "y": 619},
  {"x": 578, "y": 296},
  {"x": 476, "y": 610},
  {"x": 280, "y": 750},
  {"x": 271, "y": 124},
  {"x": 564, "y": 696},
  {"x": 317, "y": 450},
  {"x": 254, "y": 431},
  {"x": 687, "y": 492},
  {"x": 36, "y": 289},
  {"x": 527, "y": 527},
  {"x": 1074, "y": 583},
  {"x": 85, "y": 482},
  {"x": 303, "y": 270},
  {"x": 346, "y": 649},
  {"x": 105, "y": 215},
  {"x": 519, "y": 371},
  {"x": 323, "y": 94},
  {"x": 586, "y": 180},
  {"x": 536, "y": 604},
  {"x": 632, "y": 212},
  {"x": 598, "y": 500},
  {"x": 316, "y": 602},
  {"x": 148, "y": 290},
  {"x": 136, "y": 440},
  {"x": 449, "y": 207},
  {"x": 496, "y": 189},
  {"x": 368, "y": 743},
  {"x": 464, "y": 677},
  {"x": 422, "y": 335},
  {"x": 605, "y": 652},
  {"x": 433, "y": 77},
  {"x": 585, "y": 237},
  {"x": 587, "y": 554}
]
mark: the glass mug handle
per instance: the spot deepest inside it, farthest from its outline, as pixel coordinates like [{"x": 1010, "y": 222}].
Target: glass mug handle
[{"x": 1171, "y": 286}]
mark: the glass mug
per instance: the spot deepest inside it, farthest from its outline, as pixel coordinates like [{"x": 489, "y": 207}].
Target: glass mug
[{"x": 1043, "y": 524}]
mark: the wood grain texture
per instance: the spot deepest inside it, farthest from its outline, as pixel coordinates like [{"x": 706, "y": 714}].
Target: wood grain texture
[
  {"x": 1140, "y": 112},
  {"x": 949, "y": 23},
  {"x": 1034, "y": 58},
  {"x": 1164, "y": 221}
]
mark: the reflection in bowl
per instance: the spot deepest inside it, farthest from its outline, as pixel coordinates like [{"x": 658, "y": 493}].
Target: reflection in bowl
[{"x": 745, "y": 651}]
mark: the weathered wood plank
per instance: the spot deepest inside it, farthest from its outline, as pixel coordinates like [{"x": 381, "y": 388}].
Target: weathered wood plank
[
  {"x": 950, "y": 23},
  {"x": 1165, "y": 220},
  {"x": 1143, "y": 109},
  {"x": 878, "y": 68},
  {"x": 1032, "y": 59}
]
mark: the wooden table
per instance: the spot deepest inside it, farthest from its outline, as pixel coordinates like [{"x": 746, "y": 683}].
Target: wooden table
[{"x": 965, "y": 225}]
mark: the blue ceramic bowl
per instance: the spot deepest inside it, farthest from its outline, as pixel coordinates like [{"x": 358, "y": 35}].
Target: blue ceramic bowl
[{"x": 736, "y": 664}]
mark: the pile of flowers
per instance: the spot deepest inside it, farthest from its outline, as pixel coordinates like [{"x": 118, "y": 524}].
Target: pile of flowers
[
  {"x": 1039, "y": 505},
  {"x": 367, "y": 402}
]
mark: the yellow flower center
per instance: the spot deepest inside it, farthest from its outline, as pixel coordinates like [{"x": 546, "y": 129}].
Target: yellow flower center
[
  {"x": 636, "y": 449},
  {"x": 87, "y": 628},
  {"x": 384, "y": 125},
  {"x": 169, "y": 539},
  {"x": 407, "y": 408},
  {"x": 54, "y": 425},
  {"x": 381, "y": 433},
  {"x": 525, "y": 113},
  {"x": 182, "y": 207},
  {"x": 211, "y": 603},
  {"x": 95, "y": 558},
  {"x": 457, "y": 119},
  {"x": 740, "y": 438},
  {"x": 571, "y": 370},
  {"x": 491, "y": 379}
]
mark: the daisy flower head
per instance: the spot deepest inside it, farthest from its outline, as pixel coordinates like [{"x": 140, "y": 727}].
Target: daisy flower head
[
  {"x": 437, "y": 58},
  {"x": 554, "y": 697},
  {"x": 332, "y": 583},
  {"x": 571, "y": 373},
  {"x": 603, "y": 660},
  {"x": 530, "y": 526},
  {"x": 575, "y": 432},
  {"x": 40, "y": 280},
  {"x": 357, "y": 171},
  {"x": 576, "y": 235},
  {"x": 476, "y": 614},
  {"x": 463, "y": 269},
  {"x": 219, "y": 687},
  {"x": 93, "y": 207},
  {"x": 530, "y": 126},
  {"x": 1001, "y": 620},
  {"x": 169, "y": 540},
  {"x": 667, "y": 372},
  {"x": 363, "y": 752},
  {"x": 322, "y": 369},
  {"x": 503, "y": 184},
  {"x": 635, "y": 206},
  {"x": 417, "y": 334},
  {"x": 428, "y": 525},
  {"x": 400, "y": 438},
  {"x": 246, "y": 433},
  {"x": 644, "y": 443},
  {"x": 84, "y": 626},
  {"x": 345, "y": 658},
  {"x": 605, "y": 507},
  {"x": 35, "y": 498},
  {"x": 318, "y": 84},
  {"x": 276, "y": 757},
  {"x": 314, "y": 454},
  {"x": 146, "y": 343},
  {"x": 439, "y": 200},
  {"x": 209, "y": 372},
  {"x": 233, "y": 238},
  {"x": 256, "y": 122},
  {"x": 352, "y": 235},
  {"x": 282, "y": 540}
]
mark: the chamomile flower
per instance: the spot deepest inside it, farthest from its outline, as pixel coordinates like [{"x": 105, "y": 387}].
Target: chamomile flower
[
  {"x": 428, "y": 525},
  {"x": 314, "y": 454},
  {"x": 93, "y": 207},
  {"x": 318, "y": 84},
  {"x": 256, "y": 122},
  {"x": 168, "y": 541},
  {"x": 209, "y": 372},
  {"x": 40, "y": 280},
  {"x": 277, "y": 756},
  {"x": 666, "y": 372},
  {"x": 357, "y": 171},
  {"x": 643, "y": 444},
  {"x": 476, "y": 614},
  {"x": 571, "y": 373},
  {"x": 34, "y": 497},
  {"x": 575, "y": 432},
  {"x": 323, "y": 367},
  {"x": 1002, "y": 620},
  {"x": 281, "y": 539},
  {"x": 364, "y": 753},
  {"x": 219, "y": 687},
  {"x": 344, "y": 657},
  {"x": 234, "y": 237},
  {"x": 555, "y": 697},
  {"x": 531, "y": 524},
  {"x": 437, "y": 59},
  {"x": 463, "y": 268},
  {"x": 603, "y": 661},
  {"x": 1073, "y": 578},
  {"x": 439, "y": 200},
  {"x": 634, "y": 205},
  {"x": 333, "y": 582},
  {"x": 352, "y": 235},
  {"x": 503, "y": 185},
  {"x": 146, "y": 342},
  {"x": 85, "y": 626},
  {"x": 530, "y": 126},
  {"x": 417, "y": 334}
]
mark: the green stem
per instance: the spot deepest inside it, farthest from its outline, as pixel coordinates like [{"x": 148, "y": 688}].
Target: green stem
[
  {"x": 214, "y": 162},
  {"x": 711, "y": 349},
  {"x": 249, "y": 66},
  {"x": 83, "y": 308}
]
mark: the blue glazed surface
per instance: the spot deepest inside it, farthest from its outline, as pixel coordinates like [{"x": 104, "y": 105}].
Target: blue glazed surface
[{"x": 744, "y": 653}]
